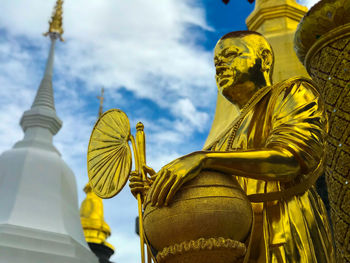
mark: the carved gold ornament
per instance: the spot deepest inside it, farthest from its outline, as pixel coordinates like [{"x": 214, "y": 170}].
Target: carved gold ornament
[
  {"x": 55, "y": 28},
  {"x": 322, "y": 43},
  {"x": 322, "y": 18}
]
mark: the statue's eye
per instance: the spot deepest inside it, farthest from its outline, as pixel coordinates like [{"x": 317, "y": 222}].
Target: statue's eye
[{"x": 231, "y": 54}]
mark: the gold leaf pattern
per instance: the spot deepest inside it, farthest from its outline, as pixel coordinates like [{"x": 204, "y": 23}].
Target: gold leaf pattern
[
  {"x": 321, "y": 18},
  {"x": 109, "y": 155},
  {"x": 330, "y": 67}
]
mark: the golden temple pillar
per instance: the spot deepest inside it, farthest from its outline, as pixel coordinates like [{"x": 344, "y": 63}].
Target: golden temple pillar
[{"x": 277, "y": 20}]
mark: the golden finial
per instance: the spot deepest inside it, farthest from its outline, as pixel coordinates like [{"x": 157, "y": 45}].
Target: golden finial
[
  {"x": 55, "y": 29},
  {"x": 140, "y": 126},
  {"x": 101, "y": 98}
]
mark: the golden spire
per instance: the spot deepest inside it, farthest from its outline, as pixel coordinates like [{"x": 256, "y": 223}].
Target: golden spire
[
  {"x": 101, "y": 98},
  {"x": 55, "y": 29},
  {"x": 96, "y": 230}
]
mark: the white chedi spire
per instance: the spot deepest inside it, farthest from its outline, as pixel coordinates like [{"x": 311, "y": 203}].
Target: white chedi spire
[
  {"x": 43, "y": 113},
  {"x": 39, "y": 213},
  {"x": 40, "y": 122}
]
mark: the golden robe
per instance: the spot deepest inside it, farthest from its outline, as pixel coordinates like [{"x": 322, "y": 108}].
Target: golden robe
[{"x": 291, "y": 223}]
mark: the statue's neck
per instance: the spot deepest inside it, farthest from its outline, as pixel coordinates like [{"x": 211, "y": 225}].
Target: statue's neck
[{"x": 249, "y": 90}]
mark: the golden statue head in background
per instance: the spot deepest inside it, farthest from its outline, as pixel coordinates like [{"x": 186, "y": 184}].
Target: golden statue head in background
[{"x": 244, "y": 64}]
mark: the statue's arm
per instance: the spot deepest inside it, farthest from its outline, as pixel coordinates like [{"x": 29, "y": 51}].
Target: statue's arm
[
  {"x": 263, "y": 164},
  {"x": 294, "y": 147}
]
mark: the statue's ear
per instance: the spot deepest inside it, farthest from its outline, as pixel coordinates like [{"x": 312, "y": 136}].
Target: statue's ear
[{"x": 266, "y": 60}]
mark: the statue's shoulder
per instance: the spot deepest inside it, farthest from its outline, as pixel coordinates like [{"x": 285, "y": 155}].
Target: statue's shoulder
[
  {"x": 291, "y": 85},
  {"x": 299, "y": 80},
  {"x": 292, "y": 91}
]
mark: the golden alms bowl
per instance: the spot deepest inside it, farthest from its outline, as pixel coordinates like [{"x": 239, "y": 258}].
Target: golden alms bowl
[{"x": 207, "y": 221}]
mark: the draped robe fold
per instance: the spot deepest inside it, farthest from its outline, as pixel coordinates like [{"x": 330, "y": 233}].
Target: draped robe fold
[{"x": 295, "y": 227}]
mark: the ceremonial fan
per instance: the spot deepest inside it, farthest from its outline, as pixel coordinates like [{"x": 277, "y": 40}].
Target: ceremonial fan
[{"x": 109, "y": 158}]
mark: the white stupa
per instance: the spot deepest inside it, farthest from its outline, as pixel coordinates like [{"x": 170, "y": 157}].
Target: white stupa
[{"x": 39, "y": 214}]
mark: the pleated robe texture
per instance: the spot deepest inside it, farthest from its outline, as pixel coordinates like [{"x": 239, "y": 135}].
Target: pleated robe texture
[{"x": 294, "y": 227}]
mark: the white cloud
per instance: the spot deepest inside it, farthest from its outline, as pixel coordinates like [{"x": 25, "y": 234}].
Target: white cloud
[
  {"x": 308, "y": 3},
  {"x": 16, "y": 89},
  {"x": 145, "y": 47},
  {"x": 185, "y": 108}
]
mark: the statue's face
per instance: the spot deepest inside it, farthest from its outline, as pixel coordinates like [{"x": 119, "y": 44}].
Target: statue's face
[{"x": 238, "y": 67}]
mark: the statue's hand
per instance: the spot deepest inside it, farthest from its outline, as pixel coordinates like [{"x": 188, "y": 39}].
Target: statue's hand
[
  {"x": 173, "y": 175},
  {"x": 138, "y": 185}
]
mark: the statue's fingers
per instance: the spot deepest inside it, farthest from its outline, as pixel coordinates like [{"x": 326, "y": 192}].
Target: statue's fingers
[
  {"x": 158, "y": 177},
  {"x": 175, "y": 187},
  {"x": 135, "y": 178},
  {"x": 158, "y": 187},
  {"x": 136, "y": 190},
  {"x": 164, "y": 191},
  {"x": 154, "y": 177},
  {"x": 133, "y": 173},
  {"x": 161, "y": 177},
  {"x": 136, "y": 184},
  {"x": 149, "y": 170}
]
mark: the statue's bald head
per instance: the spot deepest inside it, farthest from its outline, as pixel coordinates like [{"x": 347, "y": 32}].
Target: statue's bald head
[
  {"x": 256, "y": 41},
  {"x": 242, "y": 57}
]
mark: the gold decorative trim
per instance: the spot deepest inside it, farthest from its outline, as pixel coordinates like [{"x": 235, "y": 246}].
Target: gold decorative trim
[
  {"x": 331, "y": 36},
  {"x": 321, "y": 18},
  {"x": 186, "y": 247},
  {"x": 328, "y": 61}
]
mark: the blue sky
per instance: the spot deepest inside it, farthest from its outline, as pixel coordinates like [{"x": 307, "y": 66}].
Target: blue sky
[{"x": 154, "y": 59}]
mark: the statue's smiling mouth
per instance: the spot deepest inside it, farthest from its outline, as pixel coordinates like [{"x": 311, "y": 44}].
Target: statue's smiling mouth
[{"x": 223, "y": 75}]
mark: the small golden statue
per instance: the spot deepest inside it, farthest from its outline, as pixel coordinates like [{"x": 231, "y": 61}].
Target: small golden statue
[
  {"x": 248, "y": 196},
  {"x": 96, "y": 230}
]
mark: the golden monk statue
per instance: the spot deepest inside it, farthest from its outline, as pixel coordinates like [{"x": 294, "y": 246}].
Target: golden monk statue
[
  {"x": 96, "y": 230},
  {"x": 274, "y": 147}
]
